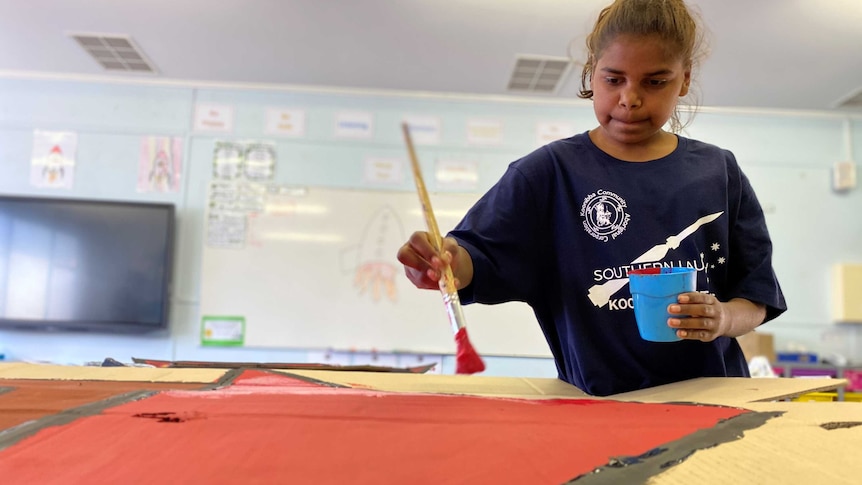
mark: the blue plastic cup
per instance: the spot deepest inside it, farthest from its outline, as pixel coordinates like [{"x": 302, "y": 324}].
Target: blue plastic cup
[{"x": 653, "y": 290}]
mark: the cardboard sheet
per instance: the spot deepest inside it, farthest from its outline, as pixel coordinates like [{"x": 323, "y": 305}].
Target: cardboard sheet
[
  {"x": 23, "y": 400},
  {"x": 202, "y": 364},
  {"x": 449, "y": 384},
  {"x": 758, "y": 344},
  {"x": 730, "y": 391},
  {"x": 793, "y": 448},
  {"x": 272, "y": 428},
  {"x": 800, "y": 442},
  {"x": 17, "y": 370},
  {"x": 724, "y": 391},
  {"x": 813, "y": 412},
  {"x": 708, "y": 390}
]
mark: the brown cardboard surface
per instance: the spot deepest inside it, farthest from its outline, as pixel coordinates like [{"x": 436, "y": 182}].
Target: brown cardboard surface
[
  {"x": 723, "y": 391},
  {"x": 756, "y": 344},
  {"x": 708, "y": 390},
  {"x": 17, "y": 370},
  {"x": 791, "y": 448},
  {"x": 203, "y": 364},
  {"x": 794, "y": 446},
  {"x": 813, "y": 412},
  {"x": 730, "y": 391},
  {"x": 448, "y": 384},
  {"x": 26, "y": 400},
  {"x": 367, "y": 436}
]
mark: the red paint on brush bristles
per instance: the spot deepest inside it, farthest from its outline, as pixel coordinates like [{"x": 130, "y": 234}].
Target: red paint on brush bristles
[{"x": 467, "y": 360}]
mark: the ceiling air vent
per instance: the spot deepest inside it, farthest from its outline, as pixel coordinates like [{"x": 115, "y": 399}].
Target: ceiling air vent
[
  {"x": 539, "y": 74},
  {"x": 115, "y": 52}
]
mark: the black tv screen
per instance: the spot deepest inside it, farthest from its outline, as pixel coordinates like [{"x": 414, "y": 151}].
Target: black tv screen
[{"x": 72, "y": 264}]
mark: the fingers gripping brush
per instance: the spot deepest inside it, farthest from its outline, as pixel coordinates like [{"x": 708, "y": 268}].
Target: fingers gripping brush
[{"x": 466, "y": 359}]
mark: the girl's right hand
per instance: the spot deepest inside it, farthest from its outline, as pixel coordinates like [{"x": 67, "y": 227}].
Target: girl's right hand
[{"x": 423, "y": 265}]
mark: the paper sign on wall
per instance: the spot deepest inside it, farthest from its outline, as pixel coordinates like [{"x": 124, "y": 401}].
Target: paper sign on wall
[
  {"x": 354, "y": 124},
  {"x": 484, "y": 132},
  {"x": 550, "y": 131},
  {"x": 259, "y": 161},
  {"x": 456, "y": 174},
  {"x": 253, "y": 161},
  {"x": 160, "y": 164},
  {"x": 53, "y": 159},
  {"x": 228, "y": 160},
  {"x": 285, "y": 122},
  {"x": 388, "y": 171},
  {"x": 216, "y": 118},
  {"x": 424, "y": 130},
  {"x": 226, "y": 229},
  {"x": 223, "y": 331}
]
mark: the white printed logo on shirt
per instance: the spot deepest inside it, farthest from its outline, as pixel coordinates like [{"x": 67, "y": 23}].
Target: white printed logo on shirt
[
  {"x": 615, "y": 279},
  {"x": 604, "y": 215}
]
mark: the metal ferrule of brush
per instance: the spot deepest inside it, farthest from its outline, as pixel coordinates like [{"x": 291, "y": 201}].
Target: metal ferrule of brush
[{"x": 453, "y": 310}]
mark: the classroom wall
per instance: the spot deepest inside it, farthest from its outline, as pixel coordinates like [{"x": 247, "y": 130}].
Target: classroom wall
[{"x": 787, "y": 155}]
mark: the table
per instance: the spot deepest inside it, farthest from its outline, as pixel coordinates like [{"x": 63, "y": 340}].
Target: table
[{"x": 139, "y": 425}]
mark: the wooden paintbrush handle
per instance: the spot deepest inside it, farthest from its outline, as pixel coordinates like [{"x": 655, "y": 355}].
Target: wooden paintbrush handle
[{"x": 447, "y": 279}]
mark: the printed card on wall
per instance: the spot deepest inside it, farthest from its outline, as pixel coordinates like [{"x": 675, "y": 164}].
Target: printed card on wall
[
  {"x": 388, "y": 171},
  {"x": 213, "y": 118},
  {"x": 53, "y": 159},
  {"x": 456, "y": 175},
  {"x": 253, "y": 161},
  {"x": 354, "y": 124},
  {"x": 228, "y": 160},
  {"x": 160, "y": 164},
  {"x": 285, "y": 122},
  {"x": 233, "y": 207},
  {"x": 259, "y": 161},
  {"x": 484, "y": 132},
  {"x": 222, "y": 331},
  {"x": 550, "y": 131},
  {"x": 251, "y": 197},
  {"x": 226, "y": 229},
  {"x": 424, "y": 130}
]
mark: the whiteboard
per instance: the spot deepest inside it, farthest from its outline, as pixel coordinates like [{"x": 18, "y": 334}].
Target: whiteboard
[{"x": 317, "y": 268}]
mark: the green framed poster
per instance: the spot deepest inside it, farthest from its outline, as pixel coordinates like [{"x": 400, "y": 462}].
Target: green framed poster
[{"x": 222, "y": 331}]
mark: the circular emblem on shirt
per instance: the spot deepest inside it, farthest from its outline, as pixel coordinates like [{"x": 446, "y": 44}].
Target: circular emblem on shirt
[{"x": 604, "y": 215}]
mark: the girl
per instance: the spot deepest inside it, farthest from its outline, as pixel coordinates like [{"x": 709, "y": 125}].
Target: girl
[{"x": 564, "y": 224}]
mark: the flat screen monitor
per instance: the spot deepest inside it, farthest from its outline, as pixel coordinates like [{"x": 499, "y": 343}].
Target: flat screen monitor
[{"x": 73, "y": 264}]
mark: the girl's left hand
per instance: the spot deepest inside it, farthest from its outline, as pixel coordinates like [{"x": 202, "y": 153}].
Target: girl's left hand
[{"x": 701, "y": 317}]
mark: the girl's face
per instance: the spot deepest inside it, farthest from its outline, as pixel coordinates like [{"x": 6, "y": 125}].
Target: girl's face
[{"x": 636, "y": 86}]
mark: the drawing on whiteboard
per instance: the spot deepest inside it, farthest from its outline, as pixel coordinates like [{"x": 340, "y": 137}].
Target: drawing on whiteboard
[{"x": 372, "y": 261}]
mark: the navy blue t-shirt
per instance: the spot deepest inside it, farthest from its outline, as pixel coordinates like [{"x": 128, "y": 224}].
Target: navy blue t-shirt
[{"x": 563, "y": 226}]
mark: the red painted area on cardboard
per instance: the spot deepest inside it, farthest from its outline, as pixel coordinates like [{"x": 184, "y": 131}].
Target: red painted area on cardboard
[
  {"x": 267, "y": 428},
  {"x": 32, "y": 399}
]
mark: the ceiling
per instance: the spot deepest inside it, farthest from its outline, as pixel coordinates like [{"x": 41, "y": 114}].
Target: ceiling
[{"x": 782, "y": 54}]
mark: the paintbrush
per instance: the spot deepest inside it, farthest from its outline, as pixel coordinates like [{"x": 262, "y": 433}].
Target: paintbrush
[{"x": 467, "y": 360}]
